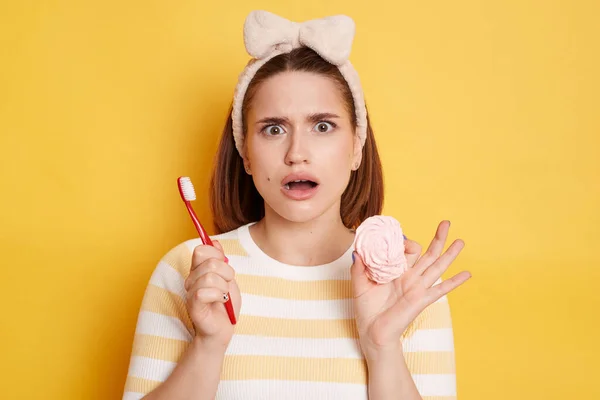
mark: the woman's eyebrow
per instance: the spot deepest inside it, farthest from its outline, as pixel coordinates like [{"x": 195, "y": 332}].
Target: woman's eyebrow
[
  {"x": 274, "y": 121},
  {"x": 318, "y": 117}
]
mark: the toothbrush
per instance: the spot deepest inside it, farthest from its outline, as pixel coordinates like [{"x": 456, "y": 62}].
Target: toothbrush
[{"x": 188, "y": 194}]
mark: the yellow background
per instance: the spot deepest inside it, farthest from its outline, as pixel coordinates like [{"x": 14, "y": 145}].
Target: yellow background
[{"x": 486, "y": 113}]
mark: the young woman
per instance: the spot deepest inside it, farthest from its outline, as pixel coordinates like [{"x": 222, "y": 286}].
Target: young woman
[{"x": 297, "y": 171}]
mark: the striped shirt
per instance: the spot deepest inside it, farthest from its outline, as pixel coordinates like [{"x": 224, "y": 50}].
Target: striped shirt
[{"x": 295, "y": 337}]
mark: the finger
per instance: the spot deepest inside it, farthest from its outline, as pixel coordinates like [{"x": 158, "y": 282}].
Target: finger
[
  {"x": 212, "y": 265},
  {"x": 435, "y": 247},
  {"x": 210, "y": 280},
  {"x": 438, "y": 291},
  {"x": 203, "y": 252},
  {"x": 412, "y": 251},
  {"x": 218, "y": 246},
  {"x": 357, "y": 270},
  {"x": 209, "y": 295},
  {"x": 360, "y": 281},
  {"x": 435, "y": 270}
]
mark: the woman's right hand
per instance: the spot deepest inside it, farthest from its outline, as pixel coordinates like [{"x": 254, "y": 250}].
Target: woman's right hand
[{"x": 210, "y": 277}]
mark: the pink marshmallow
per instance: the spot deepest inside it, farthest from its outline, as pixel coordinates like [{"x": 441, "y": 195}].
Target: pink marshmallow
[{"x": 380, "y": 243}]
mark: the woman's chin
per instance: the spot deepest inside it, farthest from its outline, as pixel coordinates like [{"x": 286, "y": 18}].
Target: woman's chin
[{"x": 300, "y": 213}]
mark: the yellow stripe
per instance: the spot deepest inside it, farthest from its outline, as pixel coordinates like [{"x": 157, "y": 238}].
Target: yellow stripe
[
  {"x": 294, "y": 368},
  {"x": 158, "y": 347},
  {"x": 430, "y": 362},
  {"x": 299, "y": 328},
  {"x": 436, "y": 316},
  {"x": 161, "y": 301},
  {"x": 140, "y": 385},
  {"x": 232, "y": 247},
  {"x": 180, "y": 259},
  {"x": 342, "y": 370},
  {"x": 294, "y": 290}
]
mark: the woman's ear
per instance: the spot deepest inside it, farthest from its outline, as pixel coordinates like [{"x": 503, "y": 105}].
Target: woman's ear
[
  {"x": 246, "y": 160},
  {"x": 247, "y": 166}
]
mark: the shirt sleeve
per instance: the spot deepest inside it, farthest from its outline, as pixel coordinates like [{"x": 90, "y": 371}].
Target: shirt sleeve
[
  {"x": 164, "y": 329},
  {"x": 428, "y": 345}
]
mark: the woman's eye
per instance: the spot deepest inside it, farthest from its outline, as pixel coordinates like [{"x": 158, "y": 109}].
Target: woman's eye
[
  {"x": 324, "y": 127},
  {"x": 274, "y": 130}
]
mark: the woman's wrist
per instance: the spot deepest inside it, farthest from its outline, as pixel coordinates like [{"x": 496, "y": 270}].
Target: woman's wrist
[
  {"x": 382, "y": 354},
  {"x": 389, "y": 377},
  {"x": 209, "y": 347}
]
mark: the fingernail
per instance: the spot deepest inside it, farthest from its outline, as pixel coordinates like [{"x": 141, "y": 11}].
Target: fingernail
[{"x": 226, "y": 259}]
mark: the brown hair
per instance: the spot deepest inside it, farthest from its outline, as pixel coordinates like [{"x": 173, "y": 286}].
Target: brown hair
[{"x": 234, "y": 200}]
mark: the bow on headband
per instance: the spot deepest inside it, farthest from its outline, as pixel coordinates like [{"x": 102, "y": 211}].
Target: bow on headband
[{"x": 266, "y": 33}]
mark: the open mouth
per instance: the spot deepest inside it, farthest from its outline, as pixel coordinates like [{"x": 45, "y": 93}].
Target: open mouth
[{"x": 300, "y": 185}]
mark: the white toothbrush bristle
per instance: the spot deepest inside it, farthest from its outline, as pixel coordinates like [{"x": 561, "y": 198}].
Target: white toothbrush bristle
[{"x": 187, "y": 188}]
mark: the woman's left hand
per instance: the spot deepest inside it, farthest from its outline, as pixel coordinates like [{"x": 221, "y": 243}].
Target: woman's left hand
[{"x": 384, "y": 311}]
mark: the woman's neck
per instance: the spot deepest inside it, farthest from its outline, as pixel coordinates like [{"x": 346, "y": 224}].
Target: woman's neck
[{"x": 316, "y": 242}]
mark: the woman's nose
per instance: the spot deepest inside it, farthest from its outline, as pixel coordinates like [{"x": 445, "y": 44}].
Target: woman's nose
[{"x": 297, "y": 152}]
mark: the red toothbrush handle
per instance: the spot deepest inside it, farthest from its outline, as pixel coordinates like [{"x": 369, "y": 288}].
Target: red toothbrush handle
[
  {"x": 205, "y": 239},
  {"x": 229, "y": 309},
  {"x": 201, "y": 232}
]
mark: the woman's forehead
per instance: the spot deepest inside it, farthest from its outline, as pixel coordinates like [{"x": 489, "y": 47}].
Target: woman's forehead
[{"x": 297, "y": 94}]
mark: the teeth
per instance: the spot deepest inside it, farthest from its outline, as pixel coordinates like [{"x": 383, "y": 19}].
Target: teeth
[{"x": 287, "y": 185}]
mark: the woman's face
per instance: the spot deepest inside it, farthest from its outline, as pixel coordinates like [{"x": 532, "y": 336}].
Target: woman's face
[{"x": 300, "y": 145}]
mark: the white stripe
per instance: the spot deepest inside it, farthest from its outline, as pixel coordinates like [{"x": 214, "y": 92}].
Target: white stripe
[
  {"x": 429, "y": 340},
  {"x": 436, "y": 384},
  {"x": 242, "y": 265},
  {"x": 150, "y": 323},
  {"x": 260, "y": 306},
  {"x": 422, "y": 341},
  {"x": 226, "y": 235},
  {"x": 132, "y": 396},
  {"x": 294, "y": 347},
  {"x": 150, "y": 368},
  {"x": 289, "y": 390},
  {"x": 166, "y": 277}
]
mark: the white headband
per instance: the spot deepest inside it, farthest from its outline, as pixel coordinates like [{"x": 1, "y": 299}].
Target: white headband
[{"x": 267, "y": 35}]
